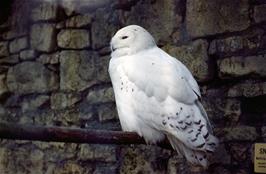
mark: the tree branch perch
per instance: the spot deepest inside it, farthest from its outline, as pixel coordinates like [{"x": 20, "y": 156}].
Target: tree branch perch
[{"x": 70, "y": 135}]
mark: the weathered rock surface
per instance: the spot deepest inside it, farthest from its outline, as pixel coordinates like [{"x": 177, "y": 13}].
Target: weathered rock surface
[
  {"x": 166, "y": 21},
  {"x": 43, "y": 37},
  {"x": 63, "y": 100},
  {"x": 247, "y": 133},
  {"x": 52, "y": 58},
  {"x": 107, "y": 112},
  {"x": 29, "y": 77},
  {"x": 101, "y": 96},
  {"x": 44, "y": 11},
  {"x": 81, "y": 69},
  {"x": 210, "y": 17},
  {"x": 73, "y": 39},
  {"x": 27, "y": 54},
  {"x": 18, "y": 45},
  {"x": 79, "y": 21},
  {"x": 103, "y": 28},
  {"x": 34, "y": 102},
  {"x": 3, "y": 49},
  {"x": 247, "y": 89},
  {"x": 253, "y": 41},
  {"x": 97, "y": 152},
  {"x": 260, "y": 13},
  {"x": 3, "y": 87},
  {"x": 242, "y": 66},
  {"x": 195, "y": 57},
  {"x": 143, "y": 159}
]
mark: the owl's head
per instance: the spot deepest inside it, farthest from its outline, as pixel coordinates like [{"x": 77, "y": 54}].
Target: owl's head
[{"x": 130, "y": 40}]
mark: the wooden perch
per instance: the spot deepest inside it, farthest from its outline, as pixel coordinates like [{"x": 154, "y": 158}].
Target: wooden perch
[{"x": 70, "y": 135}]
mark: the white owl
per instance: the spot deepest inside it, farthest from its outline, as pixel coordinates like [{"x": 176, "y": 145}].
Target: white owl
[{"x": 156, "y": 95}]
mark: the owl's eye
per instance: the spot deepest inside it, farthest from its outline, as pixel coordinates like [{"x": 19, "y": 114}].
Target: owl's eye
[{"x": 124, "y": 37}]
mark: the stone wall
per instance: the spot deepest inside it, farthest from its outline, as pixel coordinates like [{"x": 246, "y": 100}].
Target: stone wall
[{"x": 53, "y": 71}]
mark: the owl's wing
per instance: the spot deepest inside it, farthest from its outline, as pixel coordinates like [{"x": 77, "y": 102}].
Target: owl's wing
[{"x": 159, "y": 75}]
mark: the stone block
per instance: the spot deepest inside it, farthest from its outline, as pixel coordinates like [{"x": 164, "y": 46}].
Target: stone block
[
  {"x": 247, "y": 89},
  {"x": 18, "y": 44},
  {"x": 44, "y": 11},
  {"x": 242, "y": 66},
  {"x": 3, "y": 87},
  {"x": 14, "y": 160},
  {"x": 43, "y": 37},
  {"x": 195, "y": 57},
  {"x": 30, "y": 77},
  {"x": 27, "y": 54},
  {"x": 80, "y": 69},
  {"x": 103, "y": 153},
  {"x": 221, "y": 110},
  {"x": 71, "y": 167},
  {"x": 101, "y": 95},
  {"x": 73, "y": 38},
  {"x": 251, "y": 41},
  {"x": 79, "y": 21},
  {"x": 64, "y": 100},
  {"x": 107, "y": 112},
  {"x": 238, "y": 133},
  {"x": 209, "y": 17},
  {"x": 13, "y": 59},
  {"x": 3, "y": 49},
  {"x": 103, "y": 27},
  {"x": 33, "y": 103},
  {"x": 52, "y": 58},
  {"x": 165, "y": 19},
  {"x": 260, "y": 13},
  {"x": 143, "y": 159}
]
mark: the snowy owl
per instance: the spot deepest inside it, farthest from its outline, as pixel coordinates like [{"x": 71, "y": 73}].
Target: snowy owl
[{"x": 157, "y": 96}]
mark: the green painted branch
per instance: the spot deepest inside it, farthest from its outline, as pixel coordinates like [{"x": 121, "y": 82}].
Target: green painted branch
[{"x": 70, "y": 135}]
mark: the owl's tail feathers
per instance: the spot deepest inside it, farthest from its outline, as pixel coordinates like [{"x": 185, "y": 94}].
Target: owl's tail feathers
[{"x": 195, "y": 157}]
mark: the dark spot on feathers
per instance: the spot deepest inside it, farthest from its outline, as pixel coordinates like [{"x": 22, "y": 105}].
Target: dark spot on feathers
[
  {"x": 197, "y": 134},
  {"x": 204, "y": 156},
  {"x": 121, "y": 89},
  {"x": 168, "y": 118},
  {"x": 193, "y": 140},
  {"x": 201, "y": 145},
  {"x": 197, "y": 122},
  {"x": 184, "y": 127},
  {"x": 152, "y": 63},
  {"x": 211, "y": 144},
  {"x": 187, "y": 116},
  {"x": 171, "y": 125},
  {"x": 180, "y": 122},
  {"x": 177, "y": 127},
  {"x": 132, "y": 90},
  {"x": 122, "y": 83},
  {"x": 164, "y": 122},
  {"x": 206, "y": 136},
  {"x": 188, "y": 123},
  {"x": 209, "y": 151},
  {"x": 200, "y": 159},
  {"x": 190, "y": 131}
]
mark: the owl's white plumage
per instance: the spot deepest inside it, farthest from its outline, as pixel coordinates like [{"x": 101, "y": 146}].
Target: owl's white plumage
[{"x": 156, "y": 95}]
